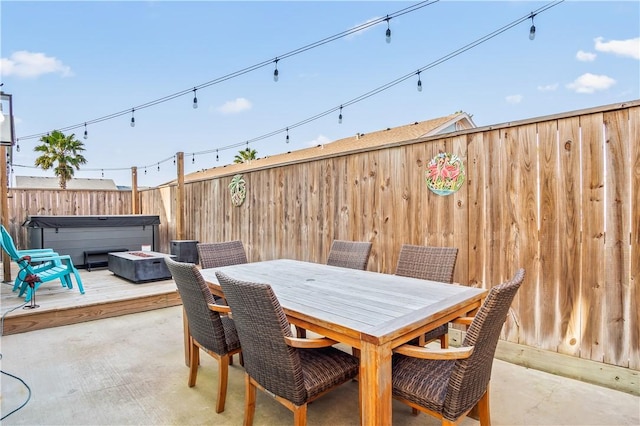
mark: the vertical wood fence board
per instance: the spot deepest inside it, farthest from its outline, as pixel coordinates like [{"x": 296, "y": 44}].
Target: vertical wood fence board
[
  {"x": 477, "y": 182},
  {"x": 524, "y": 237},
  {"x": 569, "y": 202},
  {"x": 634, "y": 274},
  {"x": 551, "y": 240},
  {"x": 593, "y": 236},
  {"x": 460, "y": 217},
  {"x": 617, "y": 219},
  {"x": 495, "y": 204},
  {"x": 381, "y": 261}
]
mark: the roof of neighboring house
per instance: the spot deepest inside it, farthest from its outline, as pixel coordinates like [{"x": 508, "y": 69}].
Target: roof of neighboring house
[
  {"x": 54, "y": 183},
  {"x": 450, "y": 123}
]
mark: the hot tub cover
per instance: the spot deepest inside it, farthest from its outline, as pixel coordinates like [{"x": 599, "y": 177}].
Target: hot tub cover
[{"x": 90, "y": 221}]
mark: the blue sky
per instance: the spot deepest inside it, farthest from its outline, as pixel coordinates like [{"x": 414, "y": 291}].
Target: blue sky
[{"x": 67, "y": 63}]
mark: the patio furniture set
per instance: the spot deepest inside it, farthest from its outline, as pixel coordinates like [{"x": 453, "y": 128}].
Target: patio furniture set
[
  {"x": 386, "y": 319},
  {"x": 235, "y": 307}
]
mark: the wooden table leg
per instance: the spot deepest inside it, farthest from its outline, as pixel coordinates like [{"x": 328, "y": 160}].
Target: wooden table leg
[
  {"x": 187, "y": 346},
  {"x": 375, "y": 384}
]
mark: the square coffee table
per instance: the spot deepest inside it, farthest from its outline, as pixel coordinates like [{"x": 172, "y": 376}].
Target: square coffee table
[{"x": 140, "y": 266}]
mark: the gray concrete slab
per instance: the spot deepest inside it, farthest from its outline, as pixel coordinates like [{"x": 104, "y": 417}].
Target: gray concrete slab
[{"x": 130, "y": 370}]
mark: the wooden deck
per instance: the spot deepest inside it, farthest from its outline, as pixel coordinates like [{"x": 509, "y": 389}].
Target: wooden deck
[{"x": 106, "y": 295}]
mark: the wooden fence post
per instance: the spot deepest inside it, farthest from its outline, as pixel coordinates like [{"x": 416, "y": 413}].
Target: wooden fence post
[
  {"x": 135, "y": 205},
  {"x": 180, "y": 198}
]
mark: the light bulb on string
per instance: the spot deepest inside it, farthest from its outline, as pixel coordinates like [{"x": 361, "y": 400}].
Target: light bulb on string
[
  {"x": 18, "y": 145},
  {"x": 287, "y": 135},
  {"x": 340, "y": 116},
  {"x": 217, "y": 157},
  {"x": 532, "y": 30},
  {"x": 388, "y": 33},
  {"x": 133, "y": 119},
  {"x": 275, "y": 72},
  {"x": 174, "y": 160},
  {"x": 86, "y": 134},
  {"x": 419, "y": 83},
  {"x": 145, "y": 170},
  {"x": 195, "y": 99},
  {"x": 193, "y": 158},
  {"x": 158, "y": 166},
  {"x": 102, "y": 172}
]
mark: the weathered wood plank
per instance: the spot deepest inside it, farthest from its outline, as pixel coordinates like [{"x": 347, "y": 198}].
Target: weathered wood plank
[
  {"x": 593, "y": 271},
  {"x": 618, "y": 220},
  {"x": 633, "y": 322},
  {"x": 569, "y": 201}
]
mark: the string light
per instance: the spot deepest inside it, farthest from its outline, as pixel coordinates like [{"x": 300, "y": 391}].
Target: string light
[
  {"x": 158, "y": 166},
  {"x": 275, "y": 72},
  {"x": 102, "y": 172},
  {"x": 287, "y": 135},
  {"x": 388, "y": 33},
  {"x": 133, "y": 119},
  {"x": 532, "y": 30},
  {"x": 350, "y": 102},
  {"x": 193, "y": 158},
  {"x": 174, "y": 160},
  {"x": 419, "y": 82},
  {"x": 195, "y": 99},
  {"x": 294, "y": 52},
  {"x": 18, "y": 145},
  {"x": 145, "y": 170},
  {"x": 86, "y": 134}
]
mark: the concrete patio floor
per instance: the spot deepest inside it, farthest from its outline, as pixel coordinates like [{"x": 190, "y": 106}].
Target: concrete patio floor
[{"x": 130, "y": 370}]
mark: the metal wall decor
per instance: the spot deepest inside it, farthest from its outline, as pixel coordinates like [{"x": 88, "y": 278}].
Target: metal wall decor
[
  {"x": 445, "y": 173},
  {"x": 238, "y": 189}
]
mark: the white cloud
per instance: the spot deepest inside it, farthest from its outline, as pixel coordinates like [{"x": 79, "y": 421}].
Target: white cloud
[
  {"x": 630, "y": 47},
  {"x": 25, "y": 64},
  {"x": 548, "y": 87},
  {"x": 320, "y": 140},
  {"x": 590, "y": 83},
  {"x": 514, "y": 99},
  {"x": 585, "y": 56},
  {"x": 359, "y": 33},
  {"x": 235, "y": 106}
]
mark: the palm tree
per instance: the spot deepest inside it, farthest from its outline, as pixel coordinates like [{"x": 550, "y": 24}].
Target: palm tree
[
  {"x": 62, "y": 153},
  {"x": 245, "y": 155}
]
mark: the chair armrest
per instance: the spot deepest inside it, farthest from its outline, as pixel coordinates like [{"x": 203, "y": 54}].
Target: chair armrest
[
  {"x": 297, "y": 342},
  {"x": 223, "y": 309},
  {"x": 51, "y": 257},
  {"x": 463, "y": 320},
  {"x": 428, "y": 353}
]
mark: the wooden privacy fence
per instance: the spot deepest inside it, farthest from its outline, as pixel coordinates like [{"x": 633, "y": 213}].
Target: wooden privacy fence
[
  {"x": 26, "y": 202},
  {"x": 559, "y": 196}
]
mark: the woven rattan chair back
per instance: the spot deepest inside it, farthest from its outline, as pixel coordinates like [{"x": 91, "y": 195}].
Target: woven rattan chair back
[
  {"x": 427, "y": 263},
  {"x": 205, "y": 325},
  {"x": 470, "y": 377},
  {"x": 215, "y": 255},
  {"x": 349, "y": 254},
  {"x": 262, "y": 325}
]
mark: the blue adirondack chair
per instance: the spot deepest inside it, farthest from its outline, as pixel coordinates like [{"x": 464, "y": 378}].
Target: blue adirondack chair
[
  {"x": 7, "y": 241},
  {"x": 51, "y": 267}
]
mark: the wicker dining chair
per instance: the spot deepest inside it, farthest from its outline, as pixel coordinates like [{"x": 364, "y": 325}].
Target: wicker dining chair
[
  {"x": 294, "y": 371},
  {"x": 429, "y": 263},
  {"x": 209, "y": 328},
  {"x": 215, "y": 255},
  {"x": 349, "y": 254},
  {"x": 448, "y": 383}
]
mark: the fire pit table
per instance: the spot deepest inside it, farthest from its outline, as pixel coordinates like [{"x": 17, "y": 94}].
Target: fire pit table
[{"x": 140, "y": 266}]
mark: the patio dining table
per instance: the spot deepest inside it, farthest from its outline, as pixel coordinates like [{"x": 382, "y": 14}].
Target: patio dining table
[{"x": 373, "y": 312}]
